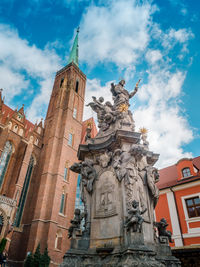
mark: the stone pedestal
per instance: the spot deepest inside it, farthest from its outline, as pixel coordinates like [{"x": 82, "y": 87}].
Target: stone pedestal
[{"x": 118, "y": 189}]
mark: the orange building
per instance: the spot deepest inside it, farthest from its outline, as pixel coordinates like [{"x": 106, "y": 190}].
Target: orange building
[
  {"x": 37, "y": 189},
  {"x": 179, "y": 204}
]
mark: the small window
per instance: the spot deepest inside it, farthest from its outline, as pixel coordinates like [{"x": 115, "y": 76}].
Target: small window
[
  {"x": 193, "y": 207},
  {"x": 15, "y": 129},
  {"x": 77, "y": 84},
  {"x": 61, "y": 82},
  {"x": 66, "y": 172},
  {"x": 75, "y": 113},
  {"x": 62, "y": 203},
  {"x": 70, "y": 140},
  {"x": 186, "y": 172},
  {"x": 58, "y": 240}
]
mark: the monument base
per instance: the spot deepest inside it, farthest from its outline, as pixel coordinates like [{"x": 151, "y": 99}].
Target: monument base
[{"x": 129, "y": 257}]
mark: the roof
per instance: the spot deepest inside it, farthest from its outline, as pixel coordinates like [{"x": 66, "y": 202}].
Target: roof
[
  {"x": 90, "y": 122},
  {"x": 7, "y": 112},
  {"x": 169, "y": 175}
]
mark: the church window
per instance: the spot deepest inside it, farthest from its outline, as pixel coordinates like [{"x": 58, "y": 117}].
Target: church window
[
  {"x": 39, "y": 130},
  {"x": 1, "y": 223},
  {"x": 77, "y": 85},
  {"x": 62, "y": 203},
  {"x": 21, "y": 131},
  {"x": 66, "y": 171},
  {"x": 10, "y": 125},
  {"x": 4, "y": 160},
  {"x": 15, "y": 129},
  {"x": 22, "y": 199},
  {"x": 75, "y": 113},
  {"x": 70, "y": 140},
  {"x": 186, "y": 172},
  {"x": 58, "y": 240},
  {"x": 193, "y": 207},
  {"x": 61, "y": 82},
  {"x": 36, "y": 142}
]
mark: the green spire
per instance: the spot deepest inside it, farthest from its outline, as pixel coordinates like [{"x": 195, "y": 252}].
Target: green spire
[{"x": 74, "y": 52}]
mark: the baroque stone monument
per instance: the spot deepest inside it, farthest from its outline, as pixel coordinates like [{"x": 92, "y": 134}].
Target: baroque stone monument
[{"x": 119, "y": 192}]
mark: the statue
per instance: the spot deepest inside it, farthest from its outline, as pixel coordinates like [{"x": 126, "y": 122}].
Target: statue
[
  {"x": 75, "y": 222},
  {"x": 152, "y": 179},
  {"x": 134, "y": 219},
  {"x": 88, "y": 173},
  {"x": 121, "y": 95},
  {"x": 162, "y": 231}
]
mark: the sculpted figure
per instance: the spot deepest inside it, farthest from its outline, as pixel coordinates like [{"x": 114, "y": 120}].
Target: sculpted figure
[
  {"x": 121, "y": 95},
  {"x": 117, "y": 164},
  {"x": 88, "y": 173},
  {"x": 75, "y": 222},
  {"x": 134, "y": 219},
  {"x": 104, "y": 159},
  {"x": 98, "y": 107},
  {"x": 162, "y": 231},
  {"x": 152, "y": 179}
]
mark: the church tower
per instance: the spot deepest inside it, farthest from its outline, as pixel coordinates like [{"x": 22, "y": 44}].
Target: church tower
[{"x": 51, "y": 199}]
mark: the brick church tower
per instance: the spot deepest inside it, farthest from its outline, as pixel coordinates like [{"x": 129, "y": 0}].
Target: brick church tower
[{"x": 50, "y": 200}]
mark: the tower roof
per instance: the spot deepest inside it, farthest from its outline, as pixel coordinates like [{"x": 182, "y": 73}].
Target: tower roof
[{"x": 73, "y": 57}]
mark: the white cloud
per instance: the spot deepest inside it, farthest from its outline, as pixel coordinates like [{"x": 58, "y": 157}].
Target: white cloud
[
  {"x": 94, "y": 88},
  {"x": 115, "y": 32},
  {"x": 18, "y": 56},
  {"x": 153, "y": 55}
]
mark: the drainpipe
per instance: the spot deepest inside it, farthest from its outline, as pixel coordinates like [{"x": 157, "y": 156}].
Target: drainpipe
[{"x": 177, "y": 215}]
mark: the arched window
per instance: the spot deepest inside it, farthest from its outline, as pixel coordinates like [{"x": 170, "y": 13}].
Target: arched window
[
  {"x": 1, "y": 223},
  {"x": 77, "y": 85},
  {"x": 186, "y": 172},
  {"x": 4, "y": 160},
  {"x": 22, "y": 199},
  {"x": 58, "y": 240}
]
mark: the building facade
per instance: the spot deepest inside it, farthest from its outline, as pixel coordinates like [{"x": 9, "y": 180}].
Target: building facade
[
  {"x": 37, "y": 188},
  {"x": 179, "y": 204}
]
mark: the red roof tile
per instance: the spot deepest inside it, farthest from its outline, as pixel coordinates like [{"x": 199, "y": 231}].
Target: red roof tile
[
  {"x": 169, "y": 175},
  {"x": 7, "y": 111}
]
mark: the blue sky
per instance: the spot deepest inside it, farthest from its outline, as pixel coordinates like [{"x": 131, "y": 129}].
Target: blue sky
[{"x": 157, "y": 41}]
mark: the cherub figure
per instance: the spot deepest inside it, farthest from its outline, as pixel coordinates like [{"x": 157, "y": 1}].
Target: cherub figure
[
  {"x": 75, "y": 222},
  {"x": 162, "y": 231},
  {"x": 134, "y": 219}
]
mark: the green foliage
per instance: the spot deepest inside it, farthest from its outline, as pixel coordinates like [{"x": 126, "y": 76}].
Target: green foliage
[
  {"x": 45, "y": 259},
  {"x": 2, "y": 244},
  {"x": 29, "y": 261},
  {"x": 37, "y": 257}
]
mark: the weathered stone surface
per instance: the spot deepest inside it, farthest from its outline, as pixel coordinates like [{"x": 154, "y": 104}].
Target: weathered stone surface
[{"x": 119, "y": 193}]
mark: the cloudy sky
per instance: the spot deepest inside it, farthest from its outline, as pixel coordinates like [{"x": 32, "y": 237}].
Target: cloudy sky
[{"x": 156, "y": 41}]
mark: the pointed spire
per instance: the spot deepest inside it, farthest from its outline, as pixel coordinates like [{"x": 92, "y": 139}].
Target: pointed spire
[{"x": 73, "y": 57}]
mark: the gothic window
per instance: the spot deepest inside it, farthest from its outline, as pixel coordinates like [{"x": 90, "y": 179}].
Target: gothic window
[
  {"x": 186, "y": 172},
  {"x": 22, "y": 199},
  {"x": 66, "y": 171},
  {"x": 58, "y": 240},
  {"x": 61, "y": 82},
  {"x": 77, "y": 85},
  {"x": 70, "y": 140},
  {"x": 193, "y": 207},
  {"x": 10, "y": 125},
  {"x": 62, "y": 203},
  {"x": 21, "y": 131},
  {"x": 36, "y": 142},
  {"x": 1, "y": 223},
  {"x": 4, "y": 160},
  {"x": 15, "y": 129},
  {"x": 39, "y": 130},
  {"x": 75, "y": 113}
]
